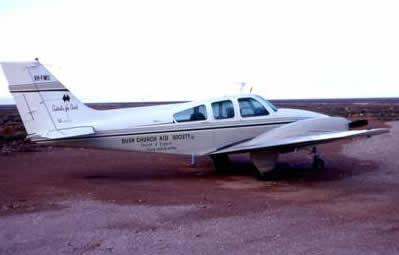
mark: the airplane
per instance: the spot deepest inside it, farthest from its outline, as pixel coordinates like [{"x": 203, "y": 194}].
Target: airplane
[{"x": 244, "y": 123}]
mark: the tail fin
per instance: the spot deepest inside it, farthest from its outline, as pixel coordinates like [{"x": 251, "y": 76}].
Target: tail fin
[{"x": 46, "y": 107}]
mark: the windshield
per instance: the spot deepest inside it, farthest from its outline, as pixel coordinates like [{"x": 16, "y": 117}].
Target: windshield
[{"x": 274, "y": 108}]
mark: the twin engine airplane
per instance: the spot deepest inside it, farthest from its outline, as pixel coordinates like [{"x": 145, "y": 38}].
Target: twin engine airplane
[{"x": 217, "y": 127}]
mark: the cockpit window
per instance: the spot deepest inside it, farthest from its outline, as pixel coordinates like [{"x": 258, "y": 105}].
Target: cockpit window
[
  {"x": 223, "y": 110},
  {"x": 249, "y": 107},
  {"x": 193, "y": 114},
  {"x": 274, "y": 108}
]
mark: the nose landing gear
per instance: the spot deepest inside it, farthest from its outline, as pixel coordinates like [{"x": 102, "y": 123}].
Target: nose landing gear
[{"x": 318, "y": 163}]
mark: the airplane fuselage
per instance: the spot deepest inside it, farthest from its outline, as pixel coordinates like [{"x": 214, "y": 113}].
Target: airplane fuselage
[{"x": 155, "y": 129}]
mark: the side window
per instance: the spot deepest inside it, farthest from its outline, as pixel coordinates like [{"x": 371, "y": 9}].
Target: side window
[
  {"x": 249, "y": 107},
  {"x": 223, "y": 110},
  {"x": 192, "y": 114}
]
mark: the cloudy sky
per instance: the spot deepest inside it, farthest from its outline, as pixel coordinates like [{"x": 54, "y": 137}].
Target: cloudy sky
[{"x": 174, "y": 50}]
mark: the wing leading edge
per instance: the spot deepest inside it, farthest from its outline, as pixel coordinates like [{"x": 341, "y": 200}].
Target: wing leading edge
[{"x": 300, "y": 134}]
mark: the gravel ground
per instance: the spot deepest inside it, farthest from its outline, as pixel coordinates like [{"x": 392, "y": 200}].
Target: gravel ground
[{"x": 100, "y": 202}]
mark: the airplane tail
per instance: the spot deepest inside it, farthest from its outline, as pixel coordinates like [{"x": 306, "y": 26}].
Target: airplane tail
[{"x": 47, "y": 109}]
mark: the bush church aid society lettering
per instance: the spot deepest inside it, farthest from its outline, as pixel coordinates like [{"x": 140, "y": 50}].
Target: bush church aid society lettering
[
  {"x": 218, "y": 127},
  {"x": 156, "y": 142}
]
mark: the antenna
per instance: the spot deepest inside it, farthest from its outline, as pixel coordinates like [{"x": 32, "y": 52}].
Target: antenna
[
  {"x": 46, "y": 65},
  {"x": 242, "y": 86}
]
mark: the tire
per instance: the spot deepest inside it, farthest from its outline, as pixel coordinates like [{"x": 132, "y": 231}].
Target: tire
[
  {"x": 261, "y": 176},
  {"x": 221, "y": 162},
  {"x": 318, "y": 164}
]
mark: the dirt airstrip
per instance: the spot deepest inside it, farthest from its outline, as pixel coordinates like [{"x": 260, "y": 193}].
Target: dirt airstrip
[{"x": 80, "y": 201}]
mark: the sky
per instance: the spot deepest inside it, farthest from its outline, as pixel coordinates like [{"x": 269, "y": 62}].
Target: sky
[{"x": 114, "y": 51}]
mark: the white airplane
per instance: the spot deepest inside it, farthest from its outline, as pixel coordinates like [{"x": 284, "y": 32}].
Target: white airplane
[{"x": 217, "y": 127}]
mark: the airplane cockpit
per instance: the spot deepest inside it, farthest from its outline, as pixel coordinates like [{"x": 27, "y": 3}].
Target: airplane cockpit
[
  {"x": 196, "y": 113},
  {"x": 240, "y": 107}
]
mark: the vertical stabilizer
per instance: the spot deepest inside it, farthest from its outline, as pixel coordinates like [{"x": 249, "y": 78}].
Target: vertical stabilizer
[{"x": 44, "y": 104}]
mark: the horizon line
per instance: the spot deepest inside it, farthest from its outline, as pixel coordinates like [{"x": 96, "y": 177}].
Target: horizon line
[{"x": 181, "y": 101}]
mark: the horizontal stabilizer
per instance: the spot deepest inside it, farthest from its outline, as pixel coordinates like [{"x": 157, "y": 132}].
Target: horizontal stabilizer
[{"x": 64, "y": 133}]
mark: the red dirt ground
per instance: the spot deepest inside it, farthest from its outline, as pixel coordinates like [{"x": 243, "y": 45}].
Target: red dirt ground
[{"x": 350, "y": 207}]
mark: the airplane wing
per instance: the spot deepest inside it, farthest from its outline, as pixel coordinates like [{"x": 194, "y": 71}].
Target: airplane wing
[{"x": 300, "y": 134}]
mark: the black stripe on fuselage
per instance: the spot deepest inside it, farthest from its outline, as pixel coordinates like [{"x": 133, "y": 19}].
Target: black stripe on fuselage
[
  {"x": 164, "y": 131},
  {"x": 42, "y": 90}
]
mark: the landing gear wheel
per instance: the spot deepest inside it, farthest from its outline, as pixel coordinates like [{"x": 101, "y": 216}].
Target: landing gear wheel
[
  {"x": 221, "y": 162},
  {"x": 318, "y": 163},
  {"x": 262, "y": 176}
]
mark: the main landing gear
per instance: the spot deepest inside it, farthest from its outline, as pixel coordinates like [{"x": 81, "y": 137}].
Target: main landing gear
[
  {"x": 318, "y": 163},
  {"x": 264, "y": 162},
  {"x": 221, "y": 162}
]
